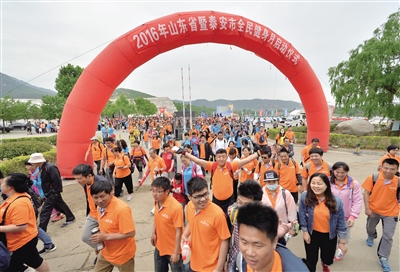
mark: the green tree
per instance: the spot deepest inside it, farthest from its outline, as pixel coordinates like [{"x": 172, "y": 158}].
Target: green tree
[
  {"x": 144, "y": 107},
  {"x": 109, "y": 109},
  {"x": 369, "y": 79},
  {"x": 35, "y": 112},
  {"x": 67, "y": 77},
  {"x": 123, "y": 107},
  {"x": 22, "y": 109},
  {"x": 52, "y": 107},
  {"x": 8, "y": 111}
]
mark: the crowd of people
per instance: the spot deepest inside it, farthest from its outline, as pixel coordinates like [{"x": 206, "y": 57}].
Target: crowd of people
[{"x": 258, "y": 197}]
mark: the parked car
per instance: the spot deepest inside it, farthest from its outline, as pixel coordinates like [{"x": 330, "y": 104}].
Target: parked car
[
  {"x": 13, "y": 126},
  {"x": 7, "y": 129}
]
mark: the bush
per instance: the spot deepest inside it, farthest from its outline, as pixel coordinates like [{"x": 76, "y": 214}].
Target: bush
[
  {"x": 50, "y": 140},
  {"x": 15, "y": 149},
  {"x": 17, "y": 164}
]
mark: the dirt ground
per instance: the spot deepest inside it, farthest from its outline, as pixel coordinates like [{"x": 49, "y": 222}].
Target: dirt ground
[{"x": 74, "y": 255}]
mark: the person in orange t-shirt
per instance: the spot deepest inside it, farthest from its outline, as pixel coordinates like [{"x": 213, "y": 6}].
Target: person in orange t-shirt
[
  {"x": 391, "y": 154},
  {"x": 156, "y": 164},
  {"x": 207, "y": 228},
  {"x": 83, "y": 173},
  {"x": 258, "y": 225},
  {"x": 265, "y": 165},
  {"x": 290, "y": 135},
  {"x": 20, "y": 224},
  {"x": 96, "y": 148},
  {"x": 116, "y": 230},
  {"x": 305, "y": 155},
  {"x": 249, "y": 168},
  {"x": 107, "y": 159},
  {"x": 316, "y": 164},
  {"x": 167, "y": 227},
  {"x": 122, "y": 172},
  {"x": 222, "y": 179},
  {"x": 381, "y": 204},
  {"x": 146, "y": 137},
  {"x": 288, "y": 171},
  {"x": 156, "y": 143}
]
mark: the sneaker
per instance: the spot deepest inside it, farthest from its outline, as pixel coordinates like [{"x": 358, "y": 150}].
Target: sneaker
[
  {"x": 49, "y": 249},
  {"x": 325, "y": 268},
  {"x": 57, "y": 217},
  {"x": 67, "y": 223},
  {"x": 129, "y": 198},
  {"x": 384, "y": 264},
  {"x": 370, "y": 242}
]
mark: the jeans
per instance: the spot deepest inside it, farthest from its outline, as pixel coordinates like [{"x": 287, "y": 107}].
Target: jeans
[
  {"x": 45, "y": 238},
  {"x": 161, "y": 263}
]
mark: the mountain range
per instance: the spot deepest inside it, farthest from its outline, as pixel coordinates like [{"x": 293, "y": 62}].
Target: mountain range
[{"x": 16, "y": 88}]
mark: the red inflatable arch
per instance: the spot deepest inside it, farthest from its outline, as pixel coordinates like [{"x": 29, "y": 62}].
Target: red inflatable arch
[{"x": 102, "y": 76}]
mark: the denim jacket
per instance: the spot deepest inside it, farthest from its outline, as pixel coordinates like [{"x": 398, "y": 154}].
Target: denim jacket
[{"x": 337, "y": 222}]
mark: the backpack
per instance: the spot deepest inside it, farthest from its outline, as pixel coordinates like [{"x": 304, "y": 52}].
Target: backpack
[
  {"x": 260, "y": 164},
  {"x": 36, "y": 201},
  {"x": 375, "y": 178},
  {"x": 99, "y": 145},
  {"x": 132, "y": 167},
  {"x": 294, "y": 163},
  {"x": 262, "y": 138},
  {"x": 194, "y": 170},
  {"x": 214, "y": 167},
  {"x": 329, "y": 167}
]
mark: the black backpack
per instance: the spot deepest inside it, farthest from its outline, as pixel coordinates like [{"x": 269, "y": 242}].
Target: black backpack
[{"x": 36, "y": 200}]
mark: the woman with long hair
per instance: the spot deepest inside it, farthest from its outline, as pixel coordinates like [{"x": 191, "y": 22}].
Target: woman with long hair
[
  {"x": 322, "y": 221},
  {"x": 349, "y": 191},
  {"x": 249, "y": 168},
  {"x": 122, "y": 172},
  {"x": 280, "y": 137},
  {"x": 19, "y": 224},
  {"x": 124, "y": 146}
]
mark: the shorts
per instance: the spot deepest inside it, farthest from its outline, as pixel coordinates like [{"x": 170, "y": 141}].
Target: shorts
[{"x": 27, "y": 254}]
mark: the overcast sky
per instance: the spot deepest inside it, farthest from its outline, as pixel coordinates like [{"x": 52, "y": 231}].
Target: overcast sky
[{"x": 39, "y": 36}]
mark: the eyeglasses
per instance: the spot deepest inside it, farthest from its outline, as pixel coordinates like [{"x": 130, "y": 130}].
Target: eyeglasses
[
  {"x": 199, "y": 197},
  {"x": 157, "y": 191}
]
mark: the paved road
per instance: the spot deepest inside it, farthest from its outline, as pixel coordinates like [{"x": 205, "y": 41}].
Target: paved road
[{"x": 73, "y": 255}]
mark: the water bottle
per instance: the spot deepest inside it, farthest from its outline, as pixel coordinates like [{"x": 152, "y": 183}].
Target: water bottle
[
  {"x": 99, "y": 246},
  {"x": 338, "y": 254},
  {"x": 185, "y": 251},
  {"x": 287, "y": 237}
]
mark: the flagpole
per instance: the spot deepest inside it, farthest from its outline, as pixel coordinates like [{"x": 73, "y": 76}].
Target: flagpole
[
  {"x": 190, "y": 100},
  {"x": 183, "y": 102}
]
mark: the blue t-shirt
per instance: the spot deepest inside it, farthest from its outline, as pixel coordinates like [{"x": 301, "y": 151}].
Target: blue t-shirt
[
  {"x": 110, "y": 131},
  {"x": 187, "y": 175},
  {"x": 38, "y": 183}
]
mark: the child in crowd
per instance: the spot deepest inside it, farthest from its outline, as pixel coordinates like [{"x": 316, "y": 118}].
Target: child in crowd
[{"x": 178, "y": 190}]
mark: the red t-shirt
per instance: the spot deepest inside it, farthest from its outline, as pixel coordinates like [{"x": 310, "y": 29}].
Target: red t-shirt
[
  {"x": 179, "y": 196},
  {"x": 167, "y": 157}
]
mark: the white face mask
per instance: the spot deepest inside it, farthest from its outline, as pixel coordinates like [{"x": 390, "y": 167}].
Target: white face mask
[{"x": 272, "y": 187}]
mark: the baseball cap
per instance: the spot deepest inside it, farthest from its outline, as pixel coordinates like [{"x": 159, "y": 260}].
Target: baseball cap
[
  {"x": 93, "y": 138},
  {"x": 271, "y": 175}
]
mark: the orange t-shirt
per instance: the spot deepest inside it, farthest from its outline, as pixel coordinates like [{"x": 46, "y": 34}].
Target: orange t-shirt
[
  {"x": 276, "y": 266},
  {"x": 123, "y": 160},
  {"x": 92, "y": 206},
  {"x": 387, "y": 156},
  {"x": 208, "y": 228},
  {"x": 383, "y": 199},
  {"x": 167, "y": 218},
  {"x": 261, "y": 170},
  {"x": 96, "y": 150},
  {"x": 202, "y": 151},
  {"x": 117, "y": 218},
  {"x": 250, "y": 166},
  {"x": 289, "y": 135},
  {"x": 108, "y": 155},
  {"x": 229, "y": 148},
  {"x": 222, "y": 181},
  {"x": 321, "y": 217},
  {"x": 287, "y": 175},
  {"x": 146, "y": 136},
  {"x": 305, "y": 152},
  {"x": 20, "y": 212},
  {"x": 156, "y": 143},
  {"x": 272, "y": 198},
  {"x": 137, "y": 152},
  {"x": 313, "y": 169},
  {"x": 156, "y": 162}
]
